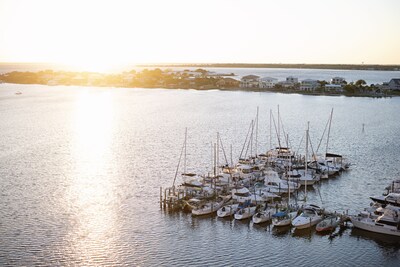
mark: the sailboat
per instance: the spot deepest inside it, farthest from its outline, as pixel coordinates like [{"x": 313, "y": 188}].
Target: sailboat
[
  {"x": 310, "y": 216},
  {"x": 329, "y": 164}
]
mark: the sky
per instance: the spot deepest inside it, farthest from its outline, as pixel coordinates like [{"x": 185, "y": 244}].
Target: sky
[{"x": 104, "y": 33}]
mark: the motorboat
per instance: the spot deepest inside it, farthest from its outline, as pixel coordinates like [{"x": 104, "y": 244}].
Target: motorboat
[
  {"x": 308, "y": 218},
  {"x": 283, "y": 218},
  {"x": 278, "y": 186},
  {"x": 241, "y": 194},
  {"x": 302, "y": 177},
  {"x": 391, "y": 198},
  {"x": 328, "y": 224},
  {"x": 387, "y": 223}
]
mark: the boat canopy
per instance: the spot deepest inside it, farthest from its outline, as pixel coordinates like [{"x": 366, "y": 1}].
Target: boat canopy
[
  {"x": 331, "y": 155},
  {"x": 280, "y": 214}
]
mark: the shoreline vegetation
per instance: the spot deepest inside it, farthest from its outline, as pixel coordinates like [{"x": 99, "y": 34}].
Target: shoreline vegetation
[{"x": 199, "y": 79}]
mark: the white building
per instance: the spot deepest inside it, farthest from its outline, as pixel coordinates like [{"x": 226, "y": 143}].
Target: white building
[
  {"x": 309, "y": 85},
  {"x": 267, "y": 82},
  {"x": 394, "y": 84},
  {"x": 336, "y": 88},
  {"x": 338, "y": 80},
  {"x": 250, "y": 81}
]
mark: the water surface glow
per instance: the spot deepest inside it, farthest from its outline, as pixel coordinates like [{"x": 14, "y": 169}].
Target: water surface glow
[{"x": 81, "y": 169}]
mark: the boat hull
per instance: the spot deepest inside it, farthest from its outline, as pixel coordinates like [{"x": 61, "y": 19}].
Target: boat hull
[
  {"x": 304, "y": 223},
  {"x": 369, "y": 224}
]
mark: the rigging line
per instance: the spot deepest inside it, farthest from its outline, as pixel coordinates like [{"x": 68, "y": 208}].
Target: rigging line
[
  {"x": 277, "y": 136},
  {"x": 177, "y": 167},
  {"x": 245, "y": 141},
  {"x": 312, "y": 150},
  {"x": 323, "y": 134},
  {"x": 250, "y": 139},
  {"x": 223, "y": 150},
  {"x": 301, "y": 141}
]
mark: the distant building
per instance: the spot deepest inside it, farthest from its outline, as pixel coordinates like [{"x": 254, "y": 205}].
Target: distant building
[
  {"x": 286, "y": 84},
  {"x": 394, "y": 84},
  {"x": 250, "y": 81},
  {"x": 228, "y": 83},
  {"x": 308, "y": 85},
  {"x": 267, "y": 82},
  {"x": 338, "y": 80},
  {"x": 335, "y": 88},
  {"x": 292, "y": 80}
]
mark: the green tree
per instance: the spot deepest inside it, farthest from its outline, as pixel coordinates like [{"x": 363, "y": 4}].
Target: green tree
[{"x": 360, "y": 83}]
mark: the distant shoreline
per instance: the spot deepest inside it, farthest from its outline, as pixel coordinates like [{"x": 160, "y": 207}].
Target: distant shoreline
[
  {"x": 278, "y": 66},
  {"x": 199, "y": 79}
]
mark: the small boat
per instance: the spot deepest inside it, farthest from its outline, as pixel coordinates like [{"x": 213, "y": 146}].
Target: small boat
[
  {"x": 227, "y": 210},
  {"x": 308, "y": 218},
  {"x": 18, "y": 93},
  {"x": 245, "y": 212},
  {"x": 263, "y": 216},
  {"x": 391, "y": 198},
  {"x": 328, "y": 224},
  {"x": 388, "y": 223},
  {"x": 283, "y": 218},
  {"x": 209, "y": 207}
]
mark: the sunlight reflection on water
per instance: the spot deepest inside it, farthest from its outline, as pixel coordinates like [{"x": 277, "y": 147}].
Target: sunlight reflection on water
[{"x": 81, "y": 170}]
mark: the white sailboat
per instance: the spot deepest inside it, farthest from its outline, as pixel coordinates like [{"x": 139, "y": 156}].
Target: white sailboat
[
  {"x": 263, "y": 216},
  {"x": 227, "y": 210},
  {"x": 308, "y": 218}
]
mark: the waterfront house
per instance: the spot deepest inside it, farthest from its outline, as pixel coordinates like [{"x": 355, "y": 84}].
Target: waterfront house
[
  {"x": 292, "y": 80},
  {"x": 268, "y": 82},
  {"x": 286, "y": 84},
  {"x": 334, "y": 88},
  {"x": 250, "y": 81},
  {"x": 338, "y": 80},
  {"x": 309, "y": 85},
  {"x": 394, "y": 84},
  {"x": 227, "y": 83}
]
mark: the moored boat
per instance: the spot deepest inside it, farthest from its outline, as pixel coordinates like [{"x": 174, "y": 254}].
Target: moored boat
[
  {"x": 308, "y": 218},
  {"x": 210, "y": 206},
  {"x": 263, "y": 216},
  {"x": 388, "y": 223},
  {"x": 245, "y": 212},
  {"x": 328, "y": 224},
  {"x": 391, "y": 198},
  {"x": 227, "y": 210},
  {"x": 283, "y": 218}
]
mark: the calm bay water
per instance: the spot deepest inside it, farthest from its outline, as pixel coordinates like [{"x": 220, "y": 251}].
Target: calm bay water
[{"x": 81, "y": 168}]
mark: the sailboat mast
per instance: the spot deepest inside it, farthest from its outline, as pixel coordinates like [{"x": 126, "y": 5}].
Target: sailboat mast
[
  {"x": 217, "y": 160},
  {"x": 329, "y": 131},
  {"x": 306, "y": 159},
  {"x": 270, "y": 129},
  {"x": 288, "y": 169},
  {"x": 279, "y": 128},
  {"x": 251, "y": 138},
  {"x": 256, "y": 133},
  {"x": 184, "y": 161}
]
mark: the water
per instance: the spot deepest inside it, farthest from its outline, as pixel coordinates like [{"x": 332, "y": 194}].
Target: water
[{"x": 81, "y": 169}]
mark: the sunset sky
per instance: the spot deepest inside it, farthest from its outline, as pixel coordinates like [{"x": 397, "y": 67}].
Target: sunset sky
[{"x": 113, "y": 32}]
